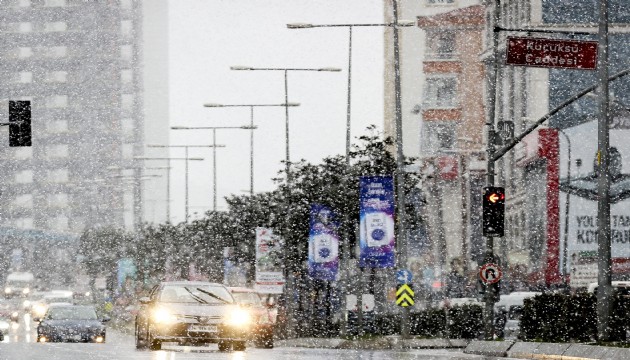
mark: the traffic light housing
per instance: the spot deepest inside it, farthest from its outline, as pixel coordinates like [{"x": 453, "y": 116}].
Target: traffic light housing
[
  {"x": 20, "y": 123},
  {"x": 493, "y": 211}
]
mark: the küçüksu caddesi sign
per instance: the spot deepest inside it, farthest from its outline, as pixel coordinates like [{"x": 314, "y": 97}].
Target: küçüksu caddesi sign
[{"x": 566, "y": 54}]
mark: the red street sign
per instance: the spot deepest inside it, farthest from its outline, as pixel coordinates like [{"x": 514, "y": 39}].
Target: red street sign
[{"x": 566, "y": 54}]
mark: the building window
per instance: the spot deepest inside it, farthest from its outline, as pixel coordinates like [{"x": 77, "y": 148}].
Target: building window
[
  {"x": 55, "y": 26},
  {"x": 440, "y": 92},
  {"x": 57, "y": 101},
  {"x": 125, "y": 4},
  {"x": 25, "y": 52},
  {"x": 56, "y": 76},
  {"x": 58, "y": 200},
  {"x": 57, "y": 126},
  {"x": 126, "y": 52},
  {"x": 440, "y": 2},
  {"x": 24, "y": 201},
  {"x": 127, "y": 151},
  {"x": 24, "y": 177},
  {"x": 25, "y": 77},
  {"x": 126, "y": 76},
  {"x": 26, "y": 27},
  {"x": 53, "y": 3},
  {"x": 126, "y": 27},
  {"x": 55, "y": 52},
  {"x": 440, "y": 45},
  {"x": 127, "y": 101},
  {"x": 438, "y": 136},
  {"x": 24, "y": 223},
  {"x": 58, "y": 223},
  {"x": 57, "y": 151},
  {"x": 23, "y": 153},
  {"x": 58, "y": 175},
  {"x": 127, "y": 126}
]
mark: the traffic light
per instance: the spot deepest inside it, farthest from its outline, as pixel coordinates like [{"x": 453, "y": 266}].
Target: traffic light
[
  {"x": 493, "y": 211},
  {"x": 20, "y": 132}
]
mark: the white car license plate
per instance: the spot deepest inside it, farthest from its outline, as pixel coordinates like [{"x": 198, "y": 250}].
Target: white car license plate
[
  {"x": 204, "y": 328},
  {"x": 74, "y": 337}
]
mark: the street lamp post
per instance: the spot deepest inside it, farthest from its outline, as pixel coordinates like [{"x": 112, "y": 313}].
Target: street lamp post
[
  {"x": 186, "y": 147},
  {"x": 168, "y": 175},
  {"x": 214, "y": 151},
  {"x": 251, "y": 136},
  {"x": 288, "y": 287},
  {"x": 346, "y": 243}
]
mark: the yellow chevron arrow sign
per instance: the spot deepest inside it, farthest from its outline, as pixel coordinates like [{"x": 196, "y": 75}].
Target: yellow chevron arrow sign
[{"x": 404, "y": 295}]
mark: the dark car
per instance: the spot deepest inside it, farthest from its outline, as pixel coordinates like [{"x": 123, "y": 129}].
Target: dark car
[
  {"x": 187, "y": 312},
  {"x": 71, "y": 323},
  {"x": 264, "y": 316}
]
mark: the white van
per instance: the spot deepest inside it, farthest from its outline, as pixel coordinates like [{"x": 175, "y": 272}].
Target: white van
[
  {"x": 622, "y": 286},
  {"x": 512, "y": 305}
]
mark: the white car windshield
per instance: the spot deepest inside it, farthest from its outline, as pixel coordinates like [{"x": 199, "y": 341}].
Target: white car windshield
[
  {"x": 71, "y": 313},
  {"x": 195, "y": 294}
]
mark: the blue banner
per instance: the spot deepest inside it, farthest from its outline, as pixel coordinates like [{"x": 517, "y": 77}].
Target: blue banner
[
  {"x": 323, "y": 244},
  {"x": 377, "y": 239}
]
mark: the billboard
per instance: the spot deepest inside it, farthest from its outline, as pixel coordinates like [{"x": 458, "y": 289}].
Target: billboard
[
  {"x": 323, "y": 244},
  {"x": 377, "y": 238},
  {"x": 269, "y": 262}
]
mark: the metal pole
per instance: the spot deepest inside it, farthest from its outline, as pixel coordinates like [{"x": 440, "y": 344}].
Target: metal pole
[
  {"x": 214, "y": 169},
  {"x": 168, "y": 190},
  {"x": 288, "y": 267},
  {"x": 251, "y": 152},
  {"x": 489, "y": 296},
  {"x": 186, "y": 171},
  {"x": 565, "y": 245},
  {"x": 400, "y": 170},
  {"x": 604, "y": 290},
  {"x": 346, "y": 235}
]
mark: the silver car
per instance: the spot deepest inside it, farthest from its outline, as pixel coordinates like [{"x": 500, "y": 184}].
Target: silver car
[{"x": 187, "y": 312}]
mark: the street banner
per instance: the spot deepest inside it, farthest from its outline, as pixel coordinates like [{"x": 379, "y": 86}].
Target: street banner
[
  {"x": 269, "y": 260},
  {"x": 323, "y": 244},
  {"x": 376, "y": 212}
]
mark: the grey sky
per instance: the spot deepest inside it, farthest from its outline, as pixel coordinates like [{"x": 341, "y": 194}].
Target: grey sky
[{"x": 208, "y": 36}]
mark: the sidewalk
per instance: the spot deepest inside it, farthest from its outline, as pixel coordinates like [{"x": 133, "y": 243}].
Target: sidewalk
[
  {"x": 540, "y": 350},
  {"x": 377, "y": 343}
]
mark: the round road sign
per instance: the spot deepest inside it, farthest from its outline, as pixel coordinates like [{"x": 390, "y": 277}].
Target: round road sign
[{"x": 490, "y": 273}]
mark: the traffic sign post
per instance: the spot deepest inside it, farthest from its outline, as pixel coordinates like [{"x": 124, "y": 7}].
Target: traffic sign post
[
  {"x": 405, "y": 295},
  {"x": 490, "y": 273}
]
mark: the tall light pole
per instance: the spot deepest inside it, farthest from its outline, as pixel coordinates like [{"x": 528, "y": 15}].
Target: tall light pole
[
  {"x": 251, "y": 136},
  {"x": 186, "y": 147},
  {"x": 214, "y": 151},
  {"x": 288, "y": 287},
  {"x": 346, "y": 240},
  {"x": 168, "y": 175}
]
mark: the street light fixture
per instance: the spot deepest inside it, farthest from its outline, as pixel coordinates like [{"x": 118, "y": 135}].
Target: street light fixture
[
  {"x": 288, "y": 287},
  {"x": 185, "y": 156},
  {"x": 168, "y": 177},
  {"x": 251, "y": 137},
  {"x": 400, "y": 163},
  {"x": 214, "y": 151}
]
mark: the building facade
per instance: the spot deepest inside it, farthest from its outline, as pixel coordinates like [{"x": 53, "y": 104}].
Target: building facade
[
  {"x": 79, "y": 63},
  {"x": 547, "y": 176}
]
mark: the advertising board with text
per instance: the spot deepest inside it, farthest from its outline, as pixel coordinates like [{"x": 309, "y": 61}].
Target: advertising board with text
[{"x": 269, "y": 261}]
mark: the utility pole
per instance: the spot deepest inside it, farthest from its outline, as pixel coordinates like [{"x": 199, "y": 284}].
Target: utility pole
[{"x": 604, "y": 289}]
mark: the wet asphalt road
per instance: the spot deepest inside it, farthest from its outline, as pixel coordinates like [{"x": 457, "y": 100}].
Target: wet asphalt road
[{"x": 20, "y": 345}]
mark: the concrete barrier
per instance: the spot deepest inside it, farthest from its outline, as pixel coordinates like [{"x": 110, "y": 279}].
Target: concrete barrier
[
  {"x": 488, "y": 348},
  {"x": 523, "y": 350}
]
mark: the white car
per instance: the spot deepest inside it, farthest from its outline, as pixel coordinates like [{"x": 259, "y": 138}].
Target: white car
[
  {"x": 512, "y": 305},
  {"x": 61, "y": 297}
]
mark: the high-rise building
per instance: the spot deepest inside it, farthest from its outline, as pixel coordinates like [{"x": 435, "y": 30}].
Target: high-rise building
[{"x": 80, "y": 64}]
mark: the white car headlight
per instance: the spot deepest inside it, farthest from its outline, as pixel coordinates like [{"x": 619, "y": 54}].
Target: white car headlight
[
  {"x": 239, "y": 317},
  {"x": 39, "y": 310},
  {"x": 26, "y": 291},
  {"x": 163, "y": 316},
  {"x": 7, "y": 290},
  {"x": 26, "y": 303}
]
